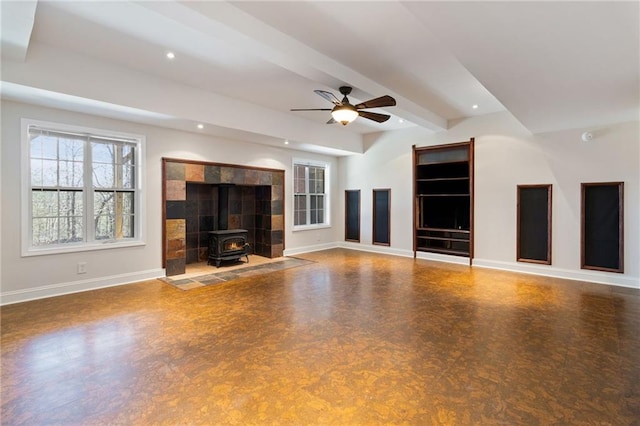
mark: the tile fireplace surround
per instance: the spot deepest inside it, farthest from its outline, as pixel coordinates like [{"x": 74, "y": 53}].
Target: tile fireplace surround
[{"x": 260, "y": 188}]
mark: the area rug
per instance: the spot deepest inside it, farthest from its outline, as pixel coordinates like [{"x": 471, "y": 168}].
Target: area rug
[{"x": 225, "y": 276}]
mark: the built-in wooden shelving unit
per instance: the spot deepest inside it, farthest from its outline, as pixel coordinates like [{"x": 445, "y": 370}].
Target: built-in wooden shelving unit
[{"x": 443, "y": 194}]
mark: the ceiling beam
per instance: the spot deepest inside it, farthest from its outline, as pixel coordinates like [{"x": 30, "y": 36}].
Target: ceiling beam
[
  {"x": 77, "y": 75},
  {"x": 225, "y": 21},
  {"x": 16, "y": 19}
]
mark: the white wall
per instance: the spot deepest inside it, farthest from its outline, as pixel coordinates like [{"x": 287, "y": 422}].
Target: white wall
[
  {"x": 506, "y": 155},
  {"x": 25, "y": 278}
]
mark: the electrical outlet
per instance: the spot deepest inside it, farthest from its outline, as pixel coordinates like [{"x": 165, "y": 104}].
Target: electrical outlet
[{"x": 82, "y": 267}]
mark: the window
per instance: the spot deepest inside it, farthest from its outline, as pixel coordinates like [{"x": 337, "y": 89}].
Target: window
[
  {"x": 310, "y": 206},
  {"x": 81, "y": 188}
]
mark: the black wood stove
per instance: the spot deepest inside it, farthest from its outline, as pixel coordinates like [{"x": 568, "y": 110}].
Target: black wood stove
[{"x": 228, "y": 244}]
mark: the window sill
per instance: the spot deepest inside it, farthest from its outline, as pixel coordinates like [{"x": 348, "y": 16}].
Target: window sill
[
  {"x": 311, "y": 227},
  {"x": 80, "y": 248}
]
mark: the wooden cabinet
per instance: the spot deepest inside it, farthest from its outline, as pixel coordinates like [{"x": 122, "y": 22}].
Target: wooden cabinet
[{"x": 443, "y": 194}]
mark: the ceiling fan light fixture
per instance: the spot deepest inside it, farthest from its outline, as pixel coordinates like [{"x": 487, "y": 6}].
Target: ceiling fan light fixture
[{"x": 344, "y": 114}]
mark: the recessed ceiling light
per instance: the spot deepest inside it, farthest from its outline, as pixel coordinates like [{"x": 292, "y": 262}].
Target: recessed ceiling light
[
  {"x": 475, "y": 106},
  {"x": 171, "y": 55},
  {"x": 400, "y": 120},
  {"x": 200, "y": 126},
  {"x": 286, "y": 142}
]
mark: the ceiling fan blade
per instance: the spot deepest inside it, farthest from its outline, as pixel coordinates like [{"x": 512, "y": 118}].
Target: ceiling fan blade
[
  {"x": 310, "y": 109},
  {"x": 380, "y": 118},
  {"x": 329, "y": 96},
  {"x": 382, "y": 101},
  {"x": 331, "y": 121}
]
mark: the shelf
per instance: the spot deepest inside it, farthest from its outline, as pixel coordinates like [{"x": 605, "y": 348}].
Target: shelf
[
  {"x": 443, "y": 195},
  {"x": 442, "y": 179},
  {"x": 444, "y": 251},
  {"x": 462, "y": 231},
  {"x": 433, "y": 163},
  {"x": 462, "y": 240}
]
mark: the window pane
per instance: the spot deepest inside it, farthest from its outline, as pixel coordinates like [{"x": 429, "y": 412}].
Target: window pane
[
  {"x": 300, "y": 202},
  {"x": 299, "y": 179},
  {"x": 71, "y": 203},
  {"x": 44, "y": 147},
  {"x": 125, "y": 202},
  {"x": 125, "y": 227},
  {"x": 49, "y": 173},
  {"x": 316, "y": 180},
  {"x": 300, "y": 210},
  {"x": 104, "y": 227},
  {"x": 71, "y": 230},
  {"x": 36, "y": 172},
  {"x": 44, "y": 204},
  {"x": 45, "y": 231},
  {"x": 102, "y": 153},
  {"x": 128, "y": 153},
  {"x": 317, "y": 207},
  {"x": 71, "y": 174},
  {"x": 103, "y": 203},
  {"x": 70, "y": 149},
  {"x": 103, "y": 176},
  {"x": 127, "y": 175}
]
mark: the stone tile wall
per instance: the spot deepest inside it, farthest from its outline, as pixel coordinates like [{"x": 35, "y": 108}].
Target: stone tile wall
[{"x": 256, "y": 203}]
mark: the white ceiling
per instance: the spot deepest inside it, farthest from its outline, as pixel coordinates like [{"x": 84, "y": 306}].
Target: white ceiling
[{"x": 241, "y": 66}]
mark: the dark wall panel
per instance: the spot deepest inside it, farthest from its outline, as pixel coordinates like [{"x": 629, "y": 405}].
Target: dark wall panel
[
  {"x": 534, "y": 223},
  {"x": 602, "y": 226},
  {"x": 352, "y": 215},
  {"x": 381, "y": 216}
]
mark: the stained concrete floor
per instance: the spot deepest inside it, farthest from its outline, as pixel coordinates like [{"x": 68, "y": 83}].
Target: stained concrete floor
[{"x": 352, "y": 339}]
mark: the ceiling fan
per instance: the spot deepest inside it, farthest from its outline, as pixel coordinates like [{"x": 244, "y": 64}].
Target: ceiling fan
[{"x": 343, "y": 112}]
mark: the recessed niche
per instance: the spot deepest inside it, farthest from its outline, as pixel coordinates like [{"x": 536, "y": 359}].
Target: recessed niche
[
  {"x": 382, "y": 217},
  {"x": 534, "y": 224},
  {"x": 352, "y": 215},
  {"x": 602, "y": 246}
]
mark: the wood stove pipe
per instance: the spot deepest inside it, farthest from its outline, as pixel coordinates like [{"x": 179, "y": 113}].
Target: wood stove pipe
[{"x": 223, "y": 207}]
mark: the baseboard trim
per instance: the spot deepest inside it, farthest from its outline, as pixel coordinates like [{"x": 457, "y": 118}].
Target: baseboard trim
[
  {"x": 372, "y": 248},
  {"x": 437, "y": 257},
  {"x": 18, "y": 296},
  {"x": 550, "y": 271},
  {"x": 543, "y": 270},
  {"x": 309, "y": 249}
]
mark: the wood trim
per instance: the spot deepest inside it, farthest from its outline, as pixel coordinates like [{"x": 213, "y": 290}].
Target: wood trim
[
  {"x": 208, "y": 163},
  {"x": 416, "y": 151},
  {"x": 583, "y": 264},
  {"x": 346, "y": 215},
  {"x": 163, "y": 209},
  {"x": 373, "y": 234},
  {"x": 415, "y": 200},
  {"x": 519, "y": 257},
  {"x": 472, "y": 197},
  {"x": 444, "y": 146}
]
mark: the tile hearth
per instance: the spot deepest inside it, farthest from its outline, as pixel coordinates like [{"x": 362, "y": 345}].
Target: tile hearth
[{"x": 202, "y": 275}]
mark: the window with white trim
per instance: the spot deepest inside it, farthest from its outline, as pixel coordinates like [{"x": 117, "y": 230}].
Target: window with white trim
[
  {"x": 82, "y": 189},
  {"x": 310, "y": 192}
]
